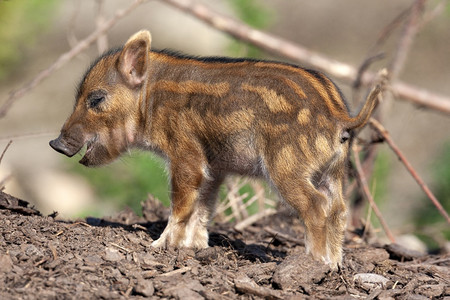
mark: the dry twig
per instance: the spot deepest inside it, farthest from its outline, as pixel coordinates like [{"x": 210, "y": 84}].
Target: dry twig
[
  {"x": 254, "y": 218},
  {"x": 436, "y": 11},
  {"x": 102, "y": 40},
  {"x": 409, "y": 32},
  {"x": 381, "y": 130},
  {"x": 277, "y": 234},
  {"x": 247, "y": 286},
  {"x": 70, "y": 31},
  {"x": 8, "y": 177},
  {"x": 4, "y": 151},
  {"x": 28, "y": 135},
  {"x": 234, "y": 200},
  {"x": 296, "y": 52},
  {"x": 175, "y": 272},
  {"x": 121, "y": 248},
  {"x": 365, "y": 187},
  {"x": 64, "y": 58}
]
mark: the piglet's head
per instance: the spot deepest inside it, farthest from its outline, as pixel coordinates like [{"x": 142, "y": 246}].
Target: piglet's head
[{"x": 107, "y": 116}]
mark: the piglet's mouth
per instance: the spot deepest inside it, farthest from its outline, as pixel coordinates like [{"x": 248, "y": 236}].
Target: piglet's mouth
[{"x": 87, "y": 157}]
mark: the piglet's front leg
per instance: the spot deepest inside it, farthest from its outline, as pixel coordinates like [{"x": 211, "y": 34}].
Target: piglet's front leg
[{"x": 189, "y": 214}]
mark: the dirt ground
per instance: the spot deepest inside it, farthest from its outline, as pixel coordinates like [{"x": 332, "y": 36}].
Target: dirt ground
[{"x": 42, "y": 257}]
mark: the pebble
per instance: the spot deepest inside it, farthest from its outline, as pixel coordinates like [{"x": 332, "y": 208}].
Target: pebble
[
  {"x": 6, "y": 263},
  {"x": 145, "y": 288},
  {"x": 112, "y": 255},
  {"x": 370, "y": 280}
]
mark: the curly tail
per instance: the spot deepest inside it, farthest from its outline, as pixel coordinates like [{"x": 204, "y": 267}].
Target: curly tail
[{"x": 372, "y": 101}]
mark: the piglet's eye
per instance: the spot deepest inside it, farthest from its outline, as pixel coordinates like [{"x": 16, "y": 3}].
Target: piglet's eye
[
  {"x": 95, "y": 98},
  {"x": 95, "y": 101}
]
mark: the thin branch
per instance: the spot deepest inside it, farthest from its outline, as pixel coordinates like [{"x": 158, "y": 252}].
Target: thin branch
[
  {"x": 363, "y": 68},
  {"x": 388, "y": 30},
  {"x": 102, "y": 40},
  {"x": 4, "y": 151},
  {"x": 254, "y": 218},
  {"x": 375, "y": 52},
  {"x": 175, "y": 272},
  {"x": 438, "y": 9},
  {"x": 4, "y": 180},
  {"x": 421, "y": 97},
  {"x": 409, "y": 32},
  {"x": 365, "y": 187},
  {"x": 278, "y": 234},
  {"x": 296, "y": 52},
  {"x": 28, "y": 135},
  {"x": 381, "y": 130},
  {"x": 70, "y": 30},
  {"x": 66, "y": 57}
]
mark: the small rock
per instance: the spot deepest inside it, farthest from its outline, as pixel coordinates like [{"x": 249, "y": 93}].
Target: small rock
[
  {"x": 430, "y": 290},
  {"x": 183, "y": 288},
  {"x": 247, "y": 286},
  {"x": 258, "y": 269},
  {"x": 6, "y": 263},
  {"x": 298, "y": 269},
  {"x": 31, "y": 250},
  {"x": 184, "y": 293},
  {"x": 411, "y": 242},
  {"x": 115, "y": 273},
  {"x": 446, "y": 248},
  {"x": 399, "y": 252},
  {"x": 112, "y": 255},
  {"x": 208, "y": 255},
  {"x": 144, "y": 288},
  {"x": 370, "y": 281},
  {"x": 93, "y": 260}
]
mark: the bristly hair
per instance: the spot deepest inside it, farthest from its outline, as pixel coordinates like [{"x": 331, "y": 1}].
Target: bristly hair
[
  {"x": 206, "y": 59},
  {"x": 93, "y": 64},
  {"x": 321, "y": 77},
  {"x": 224, "y": 60}
]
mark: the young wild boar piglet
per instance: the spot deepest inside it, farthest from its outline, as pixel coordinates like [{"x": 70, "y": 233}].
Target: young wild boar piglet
[{"x": 213, "y": 116}]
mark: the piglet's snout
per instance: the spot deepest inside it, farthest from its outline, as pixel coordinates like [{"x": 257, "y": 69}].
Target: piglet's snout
[{"x": 61, "y": 146}]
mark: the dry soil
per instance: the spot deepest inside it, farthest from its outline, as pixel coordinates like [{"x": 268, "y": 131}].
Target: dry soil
[{"x": 42, "y": 257}]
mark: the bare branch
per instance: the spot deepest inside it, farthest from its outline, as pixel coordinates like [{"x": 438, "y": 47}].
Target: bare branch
[
  {"x": 4, "y": 151},
  {"x": 381, "y": 130},
  {"x": 409, "y": 32},
  {"x": 70, "y": 31},
  {"x": 4, "y": 180},
  {"x": 278, "y": 234},
  {"x": 102, "y": 40},
  {"x": 64, "y": 58},
  {"x": 254, "y": 218},
  {"x": 388, "y": 30},
  {"x": 437, "y": 10},
  {"x": 365, "y": 187},
  {"x": 28, "y": 135},
  {"x": 296, "y": 52}
]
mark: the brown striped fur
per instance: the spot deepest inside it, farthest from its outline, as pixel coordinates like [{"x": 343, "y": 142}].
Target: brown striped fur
[{"x": 210, "y": 117}]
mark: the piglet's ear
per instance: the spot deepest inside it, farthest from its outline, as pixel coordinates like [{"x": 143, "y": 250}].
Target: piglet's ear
[{"x": 133, "y": 60}]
